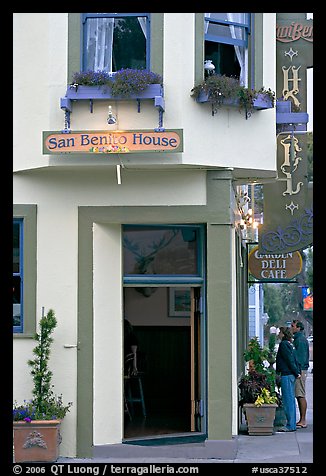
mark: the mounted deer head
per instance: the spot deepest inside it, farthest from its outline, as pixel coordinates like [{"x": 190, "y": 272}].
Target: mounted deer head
[{"x": 145, "y": 262}]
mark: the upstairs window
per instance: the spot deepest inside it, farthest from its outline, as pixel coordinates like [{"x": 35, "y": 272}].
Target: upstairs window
[
  {"x": 112, "y": 41},
  {"x": 226, "y": 43}
]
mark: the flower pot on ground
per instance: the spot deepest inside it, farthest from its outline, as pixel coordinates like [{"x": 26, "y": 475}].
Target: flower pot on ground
[
  {"x": 37, "y": 440},
  {"x": 260, "y": 420},
  {"x": 260, "y": 415},
  {"x": 36, "y": 423},
  {"x": 259, "y": 395}
]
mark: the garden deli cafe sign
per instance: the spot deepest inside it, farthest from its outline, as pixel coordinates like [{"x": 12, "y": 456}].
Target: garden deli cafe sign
[
  {"x": 276, "y": 267},
  {"x": 112, "y": 142}
]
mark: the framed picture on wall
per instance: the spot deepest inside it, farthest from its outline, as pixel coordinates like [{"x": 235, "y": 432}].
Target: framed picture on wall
[{"x": 179, "y": 302}]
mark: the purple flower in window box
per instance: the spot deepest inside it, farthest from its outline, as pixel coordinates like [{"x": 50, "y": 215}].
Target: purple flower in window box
[{"x": 125, "y": 83}]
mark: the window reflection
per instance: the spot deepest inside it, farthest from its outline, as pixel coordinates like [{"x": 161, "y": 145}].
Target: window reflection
[{"x": 160, "y": 250}]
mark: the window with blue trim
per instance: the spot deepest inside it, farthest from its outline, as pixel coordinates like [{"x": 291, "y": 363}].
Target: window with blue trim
[
  {"x": 17, "y": 275},
  {"x": 112, "y": 41},
  {"x": 226, "y": 43},
  {"x": 167, "y": 250}
]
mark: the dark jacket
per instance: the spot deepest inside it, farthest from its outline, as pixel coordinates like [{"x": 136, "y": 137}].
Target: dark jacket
[
  {"x": 286, "y": 363},
  {"x": 301, "y": 346}
]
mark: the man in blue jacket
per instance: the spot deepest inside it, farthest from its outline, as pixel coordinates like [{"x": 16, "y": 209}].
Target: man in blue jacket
[{"x": 301, "y": 346}]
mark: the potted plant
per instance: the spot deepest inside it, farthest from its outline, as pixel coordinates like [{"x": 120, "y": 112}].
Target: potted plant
[
  {"x": 221, "y": 90},
  {"x": 260, "y": 415},
  {"x": 258, "y": 391},
  {"x": 36, "y": 423}
]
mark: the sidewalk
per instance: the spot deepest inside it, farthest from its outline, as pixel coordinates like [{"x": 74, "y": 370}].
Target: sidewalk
[{"x": 296, "y": 447}]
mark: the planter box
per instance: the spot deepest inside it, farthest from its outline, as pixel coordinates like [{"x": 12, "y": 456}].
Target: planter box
[
  {"x": 263, "y": 101},
  {"x": 153, "y": 91},
  {"x": 260, "y": 420},
  {"x": 103, "y": 92},
  {"x": 36, "y": 441}
]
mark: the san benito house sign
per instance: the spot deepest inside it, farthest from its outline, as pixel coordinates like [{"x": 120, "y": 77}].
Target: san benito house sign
[{"x": 106, "y": 142}]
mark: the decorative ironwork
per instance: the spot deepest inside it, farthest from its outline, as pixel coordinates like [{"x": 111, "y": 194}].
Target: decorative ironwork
[
  {"x": 292, "y": 207},
  {"x": 297, "y": 235},
  {"x": 291, "y": 53}
]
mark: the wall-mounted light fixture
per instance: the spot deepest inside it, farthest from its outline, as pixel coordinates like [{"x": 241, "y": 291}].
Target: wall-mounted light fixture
[{"x": 111, "y": 118}]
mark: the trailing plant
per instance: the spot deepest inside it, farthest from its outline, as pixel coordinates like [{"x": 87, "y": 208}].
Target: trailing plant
[
  {"x": 259, "y": 377},
  {"x": 131, "y": 81},
  {"x": 44, "y": 404},
  {"x": 219, "y": 88},
  {"x": 124, "y": 82}
]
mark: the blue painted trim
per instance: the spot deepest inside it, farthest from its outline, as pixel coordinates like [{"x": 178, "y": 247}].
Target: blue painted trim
[
  {"x": 284, "y": 114},
  {"x": 292, "y": 118},
  {"x": 65, "y": 104},
  {"x": 225, "y": 40},
  {"x": 178, "y": 279},
  {"x": 230, "y": 41},
  {"x": 20, "y": 222}
]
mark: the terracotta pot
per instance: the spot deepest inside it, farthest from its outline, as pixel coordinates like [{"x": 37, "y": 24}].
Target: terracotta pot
[
  {"x": 260, "y": 420},
  {"x": 36, "y": 441}
]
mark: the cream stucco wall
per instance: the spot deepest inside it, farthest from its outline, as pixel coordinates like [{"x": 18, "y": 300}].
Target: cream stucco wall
[
  {"x": 209, "y": 141},
  {"x": 108, "y": 319},
  {"x": 225, "y": 140},
  {"x": 39, "y": 73},
  {"x": 57, "y": 248}
]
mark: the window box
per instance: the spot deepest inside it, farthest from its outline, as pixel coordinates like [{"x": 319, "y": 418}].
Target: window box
[
  {"x": 104, "y": 92},
  {"x": 153, "y": 91},
  {"x": 262, "y": 101},
  {"x": 221, "y": 90}
]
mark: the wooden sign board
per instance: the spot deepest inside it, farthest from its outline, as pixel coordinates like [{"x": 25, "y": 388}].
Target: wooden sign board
[{"x": 112, "y": 142}]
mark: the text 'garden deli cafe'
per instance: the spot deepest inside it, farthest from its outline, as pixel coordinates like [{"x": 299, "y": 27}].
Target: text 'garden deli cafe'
[{"x": 276, "y": 267}]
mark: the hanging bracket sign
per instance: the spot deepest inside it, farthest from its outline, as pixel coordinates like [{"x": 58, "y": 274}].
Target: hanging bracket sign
[
  {"x": 276, "y": 267},
  {"x": 112, "y": 142}
]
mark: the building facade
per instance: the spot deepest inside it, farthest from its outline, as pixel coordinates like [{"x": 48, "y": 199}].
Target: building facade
[{"x": 152, "y": 233}]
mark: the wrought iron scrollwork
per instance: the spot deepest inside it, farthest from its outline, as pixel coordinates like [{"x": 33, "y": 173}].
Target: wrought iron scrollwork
[{"x": 297, "y": 234}]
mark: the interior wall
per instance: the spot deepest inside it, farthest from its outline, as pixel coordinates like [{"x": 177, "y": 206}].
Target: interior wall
[{"x": 152, "y": 310}]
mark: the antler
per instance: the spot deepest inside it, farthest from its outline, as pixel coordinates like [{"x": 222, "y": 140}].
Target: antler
[{"x": 144, "y": 260}]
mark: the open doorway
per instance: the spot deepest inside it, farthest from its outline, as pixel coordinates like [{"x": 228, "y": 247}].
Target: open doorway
[{"x": 162, "y": 399}]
